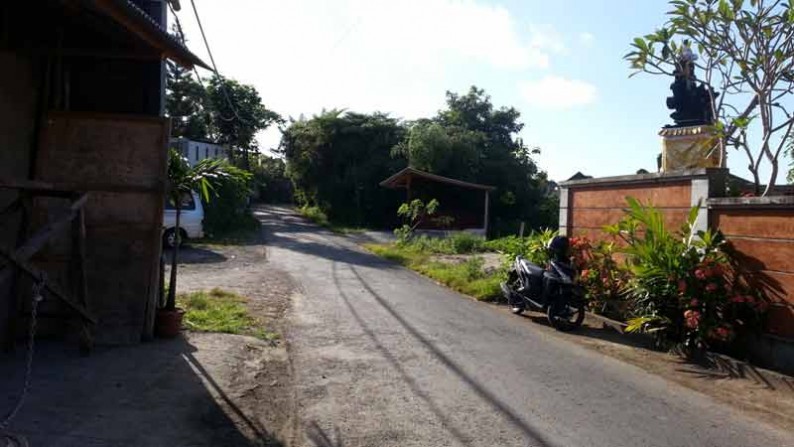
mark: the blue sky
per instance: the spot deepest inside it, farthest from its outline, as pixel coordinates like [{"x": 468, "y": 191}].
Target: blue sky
[{"x": 559, "y": 63}]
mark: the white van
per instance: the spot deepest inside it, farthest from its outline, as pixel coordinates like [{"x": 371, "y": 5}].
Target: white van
[{"x": 190, "y": 220}]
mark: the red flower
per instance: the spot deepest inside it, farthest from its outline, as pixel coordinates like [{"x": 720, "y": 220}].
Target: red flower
[
  {"x": 723, "y": 333},
  {"x": 694, "y": 302},
  {"x": 737, "y": 299},
  {"x": 681, "y": 286},
  {"x": 710, "y": 287},
  {"x": 692, "y": 318},
  {"x": 700, "y": 274},
  {"x": 585, "y": 273}
]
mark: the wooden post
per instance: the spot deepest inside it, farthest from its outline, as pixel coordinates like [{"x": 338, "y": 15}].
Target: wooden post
[
  {"x": 80, "y": 278},
  {"x": 485, "y": 223}
]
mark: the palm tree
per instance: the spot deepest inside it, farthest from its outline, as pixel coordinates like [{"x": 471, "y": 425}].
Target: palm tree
[{"x": 183, "y": 180}]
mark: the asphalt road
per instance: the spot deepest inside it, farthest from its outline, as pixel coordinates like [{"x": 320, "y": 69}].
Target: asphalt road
[{"x": 384, "y": 357}]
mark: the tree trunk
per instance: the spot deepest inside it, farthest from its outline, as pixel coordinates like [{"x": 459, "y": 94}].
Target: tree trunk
[{"x": 170, "y": 304}]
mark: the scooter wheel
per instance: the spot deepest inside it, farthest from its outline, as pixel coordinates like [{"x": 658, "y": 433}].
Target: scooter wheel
[{"x": 565, "y": 318}]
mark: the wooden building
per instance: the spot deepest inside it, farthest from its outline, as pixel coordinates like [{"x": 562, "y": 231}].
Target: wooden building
[
  {"x": 463, "y": 205},
  {"x": 83, "y": 163}
]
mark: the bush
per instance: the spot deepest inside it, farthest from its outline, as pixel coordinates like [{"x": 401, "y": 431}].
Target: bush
[
  {"x": 601, "y": 277},
  {"x": 227, "y": 208},
  {"x": 314, "y": 214},
  {"x": 463, "y": 243},
  {"x": 679, "y": 286},
  {"x": 532, "y": 247}
]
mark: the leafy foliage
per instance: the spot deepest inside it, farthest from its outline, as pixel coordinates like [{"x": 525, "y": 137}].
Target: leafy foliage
[
  {"x": 467, "y": 277},
  {"x": 678, "y": 285},
  {"x": 745, "y": 52},
  {"x": 413, "y": 214},
  {"x": 532, "y": 247},
  {"x": 600, "y": 275},
  {"x": 238, "y": 114},
  {"x": 336, "y": 161},
  {"x": 471, "y": 140},
  {"x": 182, "y": 180},
  {"x": 229, "y": 206},
  {"x": 270, "y": 180}
]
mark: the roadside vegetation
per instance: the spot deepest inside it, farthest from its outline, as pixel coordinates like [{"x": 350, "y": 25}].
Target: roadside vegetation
[
  {"x": 336, "y": 161},
  {"x": 221, "y": 311},
  {"x": 681, "y": 286},
  {"x": 467, "y": 277}
]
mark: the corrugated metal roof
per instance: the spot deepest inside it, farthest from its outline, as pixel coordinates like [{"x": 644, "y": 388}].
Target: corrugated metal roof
[{"x": 135, "y": 19}]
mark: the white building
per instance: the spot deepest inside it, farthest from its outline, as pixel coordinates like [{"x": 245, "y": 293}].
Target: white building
[{"x": 197, "y": 150}]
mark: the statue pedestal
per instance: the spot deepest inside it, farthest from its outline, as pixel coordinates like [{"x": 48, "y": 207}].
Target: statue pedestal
[{"x": 690, "y": 148}]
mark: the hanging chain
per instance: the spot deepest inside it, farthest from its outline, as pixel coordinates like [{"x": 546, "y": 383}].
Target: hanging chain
[{"x": 36, "y": 298}]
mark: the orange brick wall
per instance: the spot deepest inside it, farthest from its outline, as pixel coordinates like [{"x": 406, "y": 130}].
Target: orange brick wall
[
  {"x": 764, "y": 240},
  {"x": 762, "y": 236},
  {"x": 591, "y": 208}
]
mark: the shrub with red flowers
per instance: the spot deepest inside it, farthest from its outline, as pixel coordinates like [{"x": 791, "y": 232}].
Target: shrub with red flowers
[
  {"x": 679, "y": 286},
  {"x": 600, "y": 275}
]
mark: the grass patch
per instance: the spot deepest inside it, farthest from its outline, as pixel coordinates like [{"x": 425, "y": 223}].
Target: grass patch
[
  {"x": 315, "y": 214},
  {"x": 220, "y": 311},
  {"x": 467, "y": 277},
  {"x": 318, "y": 217}
]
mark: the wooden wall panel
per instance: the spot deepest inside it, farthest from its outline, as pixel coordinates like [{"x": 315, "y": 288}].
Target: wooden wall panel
[
  {"x": 120, "y": 161},
  {"x": 765, "y": 254}
]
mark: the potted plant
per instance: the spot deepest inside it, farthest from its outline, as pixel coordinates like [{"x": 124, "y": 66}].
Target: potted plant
[{"x": 183, "y": 180}]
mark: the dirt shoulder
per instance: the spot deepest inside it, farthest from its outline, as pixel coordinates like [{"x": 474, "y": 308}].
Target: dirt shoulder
[{"x": 253, "y": 376}]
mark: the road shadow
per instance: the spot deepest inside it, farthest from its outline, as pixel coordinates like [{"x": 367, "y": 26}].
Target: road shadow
[
  {"x": 321, "y": 438},
  {"x": 150, "y": 394},
  {"x": 537, "y": 438},
  {"x": 286, "y": 230},
  {"x": 597, "y": 329},
  {"x": 190, "y": 254}
]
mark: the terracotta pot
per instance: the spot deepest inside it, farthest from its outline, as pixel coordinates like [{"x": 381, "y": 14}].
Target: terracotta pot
[{"x": 168, "y": 323}]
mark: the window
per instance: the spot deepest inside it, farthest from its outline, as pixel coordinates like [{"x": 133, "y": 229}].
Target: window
[
  {"x": 188, "y": 203},
  {"x": 197, "y": 154},
  {"x": 206, "y": 152}
]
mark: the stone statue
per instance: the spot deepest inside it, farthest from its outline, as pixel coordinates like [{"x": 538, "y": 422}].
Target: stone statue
[{"x": 692, "y": 102}]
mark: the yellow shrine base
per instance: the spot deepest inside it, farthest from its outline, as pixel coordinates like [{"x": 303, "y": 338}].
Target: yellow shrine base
[{"x": 689, "y": 148}]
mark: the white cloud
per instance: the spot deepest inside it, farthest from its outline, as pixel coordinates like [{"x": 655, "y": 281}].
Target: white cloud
[
  {"x": 586, "y": 39},
  {"x": 366, "y": 55},
  {"x": 555, "y": 92}
]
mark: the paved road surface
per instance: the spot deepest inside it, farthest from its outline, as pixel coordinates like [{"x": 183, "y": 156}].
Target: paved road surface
[{"x": 383, "y": 357}]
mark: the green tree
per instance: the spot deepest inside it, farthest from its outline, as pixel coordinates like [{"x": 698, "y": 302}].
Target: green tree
[
  {"x": 182, "y": 180},
  {"x": 745, "y": 54},
  {"x": 433, "y": 147},
  {"x": 271, "y": 181},
  {"x": 238, "y": 114},
  {"x": 471, "y": 140},
  {"x": 185, "y": 101},
  {"x": 336, "y": 161}
]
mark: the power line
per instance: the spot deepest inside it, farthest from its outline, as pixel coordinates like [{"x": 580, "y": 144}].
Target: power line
[
  {"x": 195, "y": 70},
  {"x": 214, "y": 66}
]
